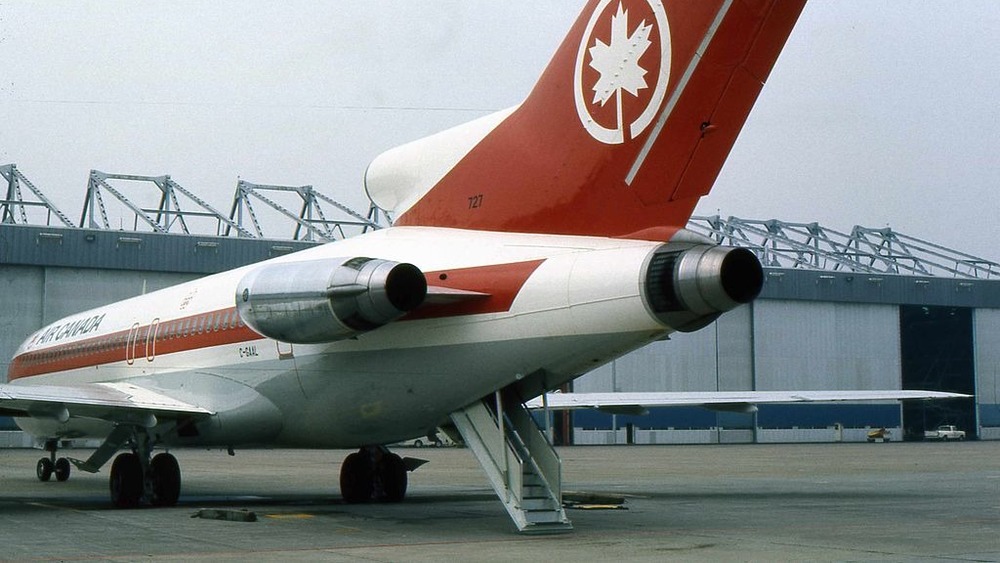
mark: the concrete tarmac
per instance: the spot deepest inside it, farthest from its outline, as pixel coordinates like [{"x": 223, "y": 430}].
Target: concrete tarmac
[{"x": 896, "y": 501}]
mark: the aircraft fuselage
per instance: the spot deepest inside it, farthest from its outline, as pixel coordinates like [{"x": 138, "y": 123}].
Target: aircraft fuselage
[{"x": 558, "y": 304}]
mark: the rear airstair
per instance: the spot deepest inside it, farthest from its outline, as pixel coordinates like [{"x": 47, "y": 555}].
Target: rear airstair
[{"x": 522, "y": 466}]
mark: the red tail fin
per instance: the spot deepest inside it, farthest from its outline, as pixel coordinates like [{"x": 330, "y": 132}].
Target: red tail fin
[{"x": 628, "y": 126}]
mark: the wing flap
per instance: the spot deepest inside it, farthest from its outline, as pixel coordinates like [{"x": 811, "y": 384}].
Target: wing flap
[{"x": 115, "y": 402}]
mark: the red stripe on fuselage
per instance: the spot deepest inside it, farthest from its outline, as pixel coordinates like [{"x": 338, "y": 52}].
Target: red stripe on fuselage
[
  {"x": 142, "y": 344},
  {"x": 500, "y": 282},
  {"x": 139, "y": 345}
]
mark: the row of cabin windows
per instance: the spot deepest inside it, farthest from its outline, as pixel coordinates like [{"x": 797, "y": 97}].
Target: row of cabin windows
[{"x": 211, "y": 322}]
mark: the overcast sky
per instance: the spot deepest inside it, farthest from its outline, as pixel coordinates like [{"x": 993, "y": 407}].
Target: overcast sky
[{"x": 877, "y": 113}]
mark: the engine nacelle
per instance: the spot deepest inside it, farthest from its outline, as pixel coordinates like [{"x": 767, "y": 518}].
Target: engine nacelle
[
  {"x": 328, "y": 300},
  {"x": 690, "y": 288}
]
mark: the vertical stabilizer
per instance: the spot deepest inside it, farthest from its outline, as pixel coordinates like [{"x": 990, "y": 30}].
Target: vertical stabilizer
[{"x": 627, "y": 128}]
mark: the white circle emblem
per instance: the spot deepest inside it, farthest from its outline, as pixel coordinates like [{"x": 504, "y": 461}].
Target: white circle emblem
[{"x": 617, "y": 71}]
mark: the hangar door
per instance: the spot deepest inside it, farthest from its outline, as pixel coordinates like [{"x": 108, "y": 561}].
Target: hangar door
[{"x": 936, "y": 350}]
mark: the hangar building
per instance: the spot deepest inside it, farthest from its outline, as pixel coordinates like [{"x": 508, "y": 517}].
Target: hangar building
[{"x": 873, "y": 309}]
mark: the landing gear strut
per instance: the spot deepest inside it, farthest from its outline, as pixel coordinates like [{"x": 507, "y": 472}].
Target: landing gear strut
[
  {"x": 373, "y": 473},
  {"x": 47, "y": 466},
  {"x": 137, "y": 476}
]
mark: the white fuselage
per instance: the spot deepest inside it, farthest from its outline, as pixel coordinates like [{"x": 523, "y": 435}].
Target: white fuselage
[{"x": 580, "y": 304}]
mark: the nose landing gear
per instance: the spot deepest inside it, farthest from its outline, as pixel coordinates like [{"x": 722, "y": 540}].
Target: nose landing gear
[{"x": 49, "y": 466}]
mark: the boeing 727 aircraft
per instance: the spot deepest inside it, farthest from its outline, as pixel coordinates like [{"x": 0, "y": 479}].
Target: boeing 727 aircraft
[{"x": 530, "y": 246}]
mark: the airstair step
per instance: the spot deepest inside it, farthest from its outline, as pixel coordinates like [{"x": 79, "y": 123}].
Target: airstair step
[
  {"x": 547, "y": 528},
  {"x": 534, "y": 491},
  {"x": 543, "y": 516}
]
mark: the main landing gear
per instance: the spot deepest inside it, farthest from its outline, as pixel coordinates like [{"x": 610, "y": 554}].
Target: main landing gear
[
  {"x": 158, "y": 481},
  {"x": 139, "y": 476},
  {"x": 373, "y": 474}
]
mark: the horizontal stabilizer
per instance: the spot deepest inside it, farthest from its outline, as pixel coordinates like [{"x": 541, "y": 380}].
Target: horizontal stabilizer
[{"x": 437, "y": 295}]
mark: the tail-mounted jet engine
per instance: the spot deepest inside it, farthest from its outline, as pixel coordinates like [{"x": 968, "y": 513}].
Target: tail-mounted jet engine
[
  {"x": 688, "y": 289},
  {"x": 327, "y": 300}
]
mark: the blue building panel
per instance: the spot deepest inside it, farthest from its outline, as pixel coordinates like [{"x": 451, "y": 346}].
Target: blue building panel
[
  {"x": 824, "y": 416},
  {"x": 768, "y": 416},
  {"x": 661, "y": 418},
  {"x": 989, "y": 415}
]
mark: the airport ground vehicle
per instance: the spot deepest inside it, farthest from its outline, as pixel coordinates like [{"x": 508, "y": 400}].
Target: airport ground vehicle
[
  {"x": 944, "y": 433},
  {"x": 879, "y": 435}
]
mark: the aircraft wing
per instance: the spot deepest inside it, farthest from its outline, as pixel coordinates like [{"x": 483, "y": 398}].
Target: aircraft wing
[
  {"x": 115, "y": 402},
  {"x": 739, "y": 401}
]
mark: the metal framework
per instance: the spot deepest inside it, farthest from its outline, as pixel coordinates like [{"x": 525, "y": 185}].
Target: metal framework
[
  {"x": 779, "y": 244},
  {"x": 377, "y": 215},
  {"x": 14, "y": 208},
  {"x": 310, "y": 222},
  {"x": 163, "y": 218}
]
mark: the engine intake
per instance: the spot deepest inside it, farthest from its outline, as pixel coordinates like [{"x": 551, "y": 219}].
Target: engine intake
[
  {"x": 688, "y": 289},
  {"x": 328, "y": 300}
]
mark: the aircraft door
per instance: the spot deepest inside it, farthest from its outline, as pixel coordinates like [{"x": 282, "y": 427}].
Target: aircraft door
[
  {"x": 154, "y": 327},
  {"x": 130, "y": 344}
]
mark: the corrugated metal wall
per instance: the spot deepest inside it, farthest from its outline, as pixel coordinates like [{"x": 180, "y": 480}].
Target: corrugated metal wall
[
  {"x": 816, "y": 345},
  {"x": 796, "y": 344},
  {"x": 718, "y": 357},
  {"x": 986, "y": 326},
  {"x": 21, "y": 291}
]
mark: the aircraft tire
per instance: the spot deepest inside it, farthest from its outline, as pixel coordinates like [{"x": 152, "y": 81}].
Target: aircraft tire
[
  {"x": 44, "y": 469},
  {"x": 126, "y": 481},
  {"x": 357, "y": 478},
  {"x": 166, "y": 475},
  {"x": 392, "y": 473},
  {"x": 62, "y": 469}
]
